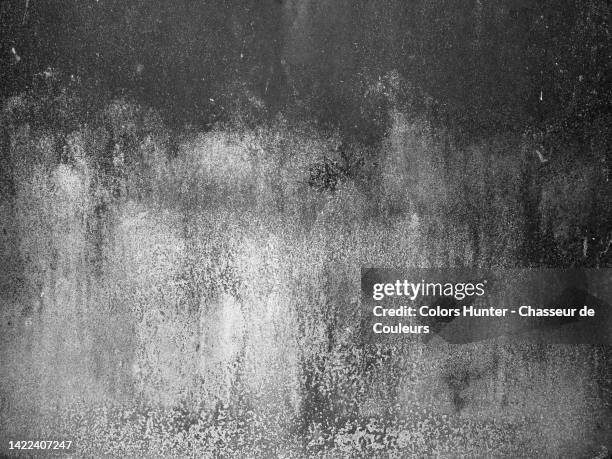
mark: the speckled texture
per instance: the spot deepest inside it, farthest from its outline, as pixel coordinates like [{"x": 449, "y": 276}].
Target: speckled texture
[{"x": 207, "y": 305}]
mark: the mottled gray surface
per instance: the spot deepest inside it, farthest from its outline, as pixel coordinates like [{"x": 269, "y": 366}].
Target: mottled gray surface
[{"x": 207, "y": 305}]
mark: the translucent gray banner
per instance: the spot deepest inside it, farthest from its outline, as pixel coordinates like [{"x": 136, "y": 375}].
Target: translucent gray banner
[{"x": 464, "y": 306}]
